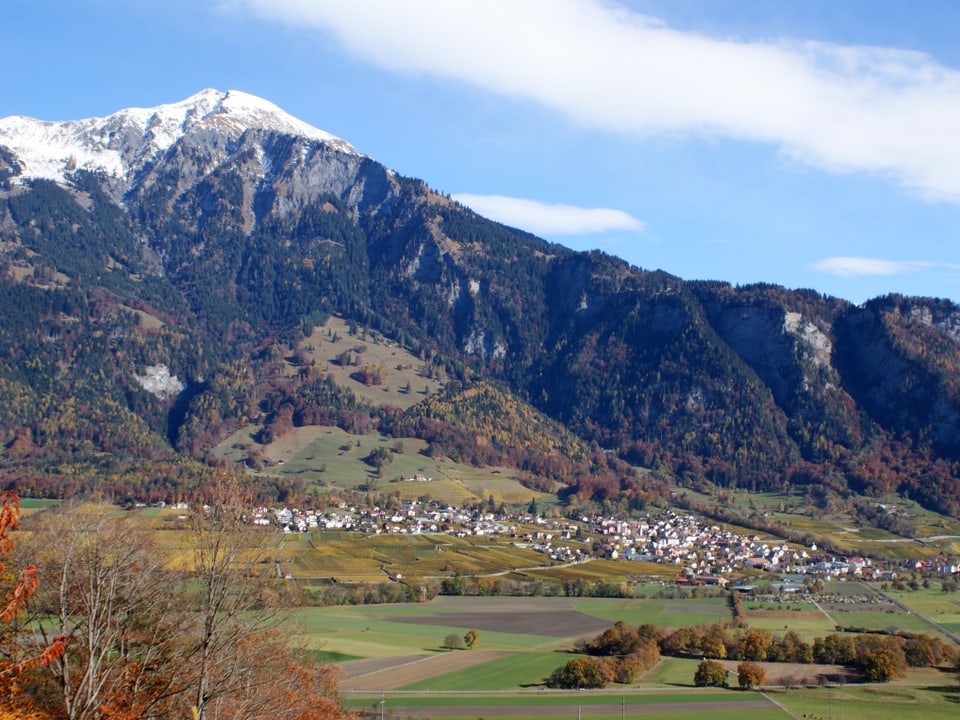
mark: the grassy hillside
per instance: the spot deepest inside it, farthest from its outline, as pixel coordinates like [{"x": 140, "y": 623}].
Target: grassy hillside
[
  {"x": 345, "y": 350},
  {"x": 332, "y": 458}
]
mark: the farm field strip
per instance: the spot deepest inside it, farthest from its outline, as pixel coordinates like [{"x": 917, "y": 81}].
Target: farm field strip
[
  {"x": 417, "y": 669},
  {"x": 610, "y": 698},
  {"x": 504, "y": 624},
  {"x": 660, "y": 612},
  {"x": 547, "y": 628},
  {"x": 336, "y": 554},
  {"x": 887, "y": 702},
  {"x": 882, "y": 621},
  {"x": 401, "y": 644},
  {"x": 939, "y": 607},
  {"x": 514, "y": 624},
  {"x": 589, "y": 570},
  {"x": 808, "y": 624},
  {"x": 567, "y": 704},
  {"x": 507, "y": 672}
]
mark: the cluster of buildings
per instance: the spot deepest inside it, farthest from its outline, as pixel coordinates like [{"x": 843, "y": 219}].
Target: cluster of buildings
[
  {"x": 705, "y": 553},
  {"x": 411, "y": 518},
  {"x": 700, "y": 549},
  {"x": 543, "y": 541}
]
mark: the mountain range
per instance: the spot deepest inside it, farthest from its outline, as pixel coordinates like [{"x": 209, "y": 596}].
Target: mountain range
[{"x": 159, "y": 265}]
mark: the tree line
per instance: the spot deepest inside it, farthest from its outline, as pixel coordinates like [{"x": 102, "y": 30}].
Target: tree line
[{"x": 624, "y": 651}]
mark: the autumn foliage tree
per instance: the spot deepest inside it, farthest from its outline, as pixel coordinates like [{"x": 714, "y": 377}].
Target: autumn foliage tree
[
  {"x": 142, "y": 637},
  {"x": 235, "y": 653},
  {"x": 584, "y": 672},
  {"x": 17, "y": 696},
  {"x": 750, "y": 674},
  {"x": 710, "y": 673},
  {"x": 107, "y": 591},
  {"x": 628, "y": 650},
  {"x": 881, "y": 658}
]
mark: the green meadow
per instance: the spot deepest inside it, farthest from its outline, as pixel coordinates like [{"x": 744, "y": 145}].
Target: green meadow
[
  {"x": 933, "y": 603},
  {"x": 364, "y": 632},
  {"x": 654, "y": 705},
  {"x": 874, "y": 702},
  {"x": 886, "y": 621},
  {"x": 661, "y": 612},
  {"x": 374, "y": 631},
  {"x": 808, "y": 625},
  {"x": 506, "y": 685},
  {"x": 519, "y": 669}
]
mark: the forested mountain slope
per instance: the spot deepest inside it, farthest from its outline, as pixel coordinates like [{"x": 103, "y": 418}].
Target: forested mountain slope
[{"x": 155, "y": 268}]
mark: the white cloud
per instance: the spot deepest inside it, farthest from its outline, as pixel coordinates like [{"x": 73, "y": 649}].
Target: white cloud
[
  {"x": 859, "y": 266},
  {"x": 843, "y": 108},
  {"x": 546, "y": 219}
]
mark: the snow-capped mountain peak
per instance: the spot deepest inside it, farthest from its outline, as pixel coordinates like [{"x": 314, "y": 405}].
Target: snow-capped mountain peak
[{"x": 122, "y": 143}]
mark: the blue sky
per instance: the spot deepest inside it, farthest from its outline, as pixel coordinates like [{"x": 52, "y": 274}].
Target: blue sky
[{"x": 808, "y": 143}]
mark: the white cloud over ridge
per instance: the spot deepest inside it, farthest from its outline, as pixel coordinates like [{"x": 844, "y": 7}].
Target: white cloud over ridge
[
  {"x": 851, "y": 267},
  {"x": 841, "y": 108},
  {"x": 549, "y": 219}
]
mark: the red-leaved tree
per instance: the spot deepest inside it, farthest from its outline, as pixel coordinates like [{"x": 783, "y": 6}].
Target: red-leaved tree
[{"x": 16, "y": 700}]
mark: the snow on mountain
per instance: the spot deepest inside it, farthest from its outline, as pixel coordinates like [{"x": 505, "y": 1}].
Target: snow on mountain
[{"x": 122, "y": 143}]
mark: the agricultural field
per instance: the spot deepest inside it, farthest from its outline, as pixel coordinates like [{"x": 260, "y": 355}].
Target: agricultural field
[
  {"x": 936, "y": 700},
  {"x": 32, "y": 505},
  {"x": 670, "y": 696},
  {"x": 671, "y": 672},
  {"x": 344, "y": 557},
  {"x": 666, "y": 613},
  {"x": 553, "y": 704},
  {"x": 876, "y": 619},
  {"x": 855, "y": 605},
  {"x": 399, "y": 653},
  {"x": 522, "y": 639},
  {"x": 605, "y": 571},
  {"x": 803, "y": 618},
  {"x": 359, "y": 557},
  {"x": 932, "y": 603}
]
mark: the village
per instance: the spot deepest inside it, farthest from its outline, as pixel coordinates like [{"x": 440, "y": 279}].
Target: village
[{"x": 705, "y": 553}]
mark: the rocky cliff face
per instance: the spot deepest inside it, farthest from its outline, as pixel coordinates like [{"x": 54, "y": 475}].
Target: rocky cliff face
[
  {"x": 261, "y": 175},
  {"x": 899, "y": 358}
]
